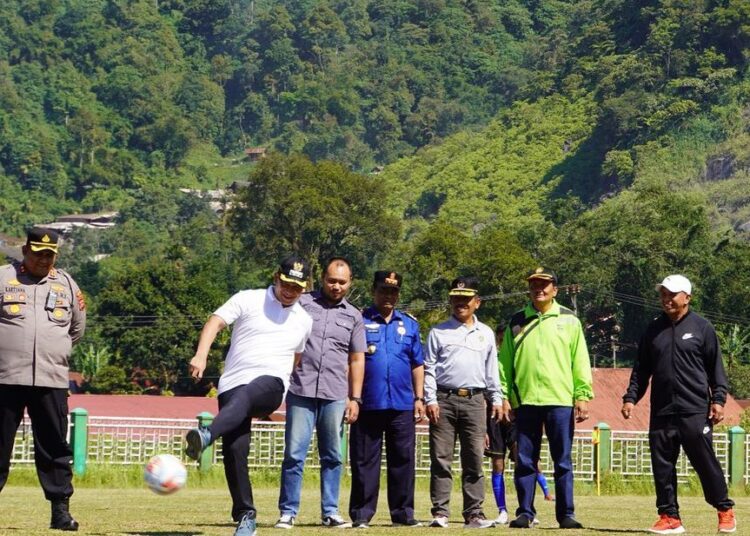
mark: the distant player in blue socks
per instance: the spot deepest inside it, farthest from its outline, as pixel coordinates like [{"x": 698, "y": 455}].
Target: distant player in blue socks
[
  {"x": 501, "y": 438},
  {"x": 542, "y": 481}
]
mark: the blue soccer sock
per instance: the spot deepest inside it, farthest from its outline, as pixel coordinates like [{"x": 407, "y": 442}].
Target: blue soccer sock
[
  {"x": 542, "y": 481},
  {"x": 498, "y": 488}
]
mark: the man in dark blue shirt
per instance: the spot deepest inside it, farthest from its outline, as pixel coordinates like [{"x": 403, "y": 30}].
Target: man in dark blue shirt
[{"x": 392, "y": 398}]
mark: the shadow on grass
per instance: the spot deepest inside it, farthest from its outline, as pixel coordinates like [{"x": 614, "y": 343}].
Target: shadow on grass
[
  {"x": 164, "y": 533},
  {"x": 608, "y": 530}
]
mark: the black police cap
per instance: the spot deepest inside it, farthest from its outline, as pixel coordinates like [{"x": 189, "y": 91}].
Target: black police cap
[
  {"x": 40, "y": 239},
  {"x": 464, "y": 286},
  {"x": 387, "y": 279}
]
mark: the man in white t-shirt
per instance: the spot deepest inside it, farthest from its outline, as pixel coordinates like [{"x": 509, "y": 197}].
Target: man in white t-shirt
[{"x": 269, "y": 335}]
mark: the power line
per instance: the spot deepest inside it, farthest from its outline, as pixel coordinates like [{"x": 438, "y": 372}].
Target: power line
[
  {"x": 134, "y": 321},
  {"x": 631, "y": 299},
  {"x": 125, "y": 321}
]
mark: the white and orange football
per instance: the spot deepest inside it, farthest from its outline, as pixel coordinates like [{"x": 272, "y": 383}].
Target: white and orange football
[{"x": 165, "y": 474}]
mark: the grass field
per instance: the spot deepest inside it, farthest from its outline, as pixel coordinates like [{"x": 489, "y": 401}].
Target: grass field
[{"x": 205, "y": 512}]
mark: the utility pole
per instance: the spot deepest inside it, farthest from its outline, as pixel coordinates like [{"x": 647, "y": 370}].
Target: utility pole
[
  {"x": 614, "y": 337},
  {"x": 573, "y": 291}
]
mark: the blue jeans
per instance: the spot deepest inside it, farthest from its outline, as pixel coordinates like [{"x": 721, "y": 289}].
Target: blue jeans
[
  {"x": 302, "y": 415},
  {"x": 557, "y": 422}
]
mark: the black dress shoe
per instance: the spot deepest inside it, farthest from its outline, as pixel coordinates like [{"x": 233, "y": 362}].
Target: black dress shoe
[
  {"x": 521, "y": 522},
  {"x": 570, "y": 523},
  {"x": 408, "y": 523},
  {"x": 61, "y": 518}
]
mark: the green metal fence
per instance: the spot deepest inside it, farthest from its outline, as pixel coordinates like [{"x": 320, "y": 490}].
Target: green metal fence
[{"x": 127, "y": 441}]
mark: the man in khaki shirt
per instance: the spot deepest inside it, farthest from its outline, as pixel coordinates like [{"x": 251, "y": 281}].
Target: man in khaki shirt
[{"x": 42, "y": 314}]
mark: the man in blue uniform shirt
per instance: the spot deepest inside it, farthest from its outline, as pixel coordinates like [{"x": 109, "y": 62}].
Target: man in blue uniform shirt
[{"x": 392, "y": 397}]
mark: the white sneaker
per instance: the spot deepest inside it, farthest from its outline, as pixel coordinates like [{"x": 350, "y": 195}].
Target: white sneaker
[
  {"x": 335, "y": 521},
  {"x": 535, "y": 522},
  {"x": 502, "y": 519},
  {"x": 286, "y": 521},
  {"x": 439, "y": 522}
]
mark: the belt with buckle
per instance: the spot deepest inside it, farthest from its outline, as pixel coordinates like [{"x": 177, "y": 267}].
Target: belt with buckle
[{"x": 462, "y": 391}]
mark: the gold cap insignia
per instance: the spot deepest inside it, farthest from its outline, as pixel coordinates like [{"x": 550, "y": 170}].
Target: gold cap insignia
[
  {"x": 460, "y": 284},
  {"x": 46, "y": 239},
  {"x": 298, "y": 266},
  {"x": 539, "y": 270}
]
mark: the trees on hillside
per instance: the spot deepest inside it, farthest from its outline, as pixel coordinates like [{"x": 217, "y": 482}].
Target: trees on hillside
[{"x": 316, "y": 210}]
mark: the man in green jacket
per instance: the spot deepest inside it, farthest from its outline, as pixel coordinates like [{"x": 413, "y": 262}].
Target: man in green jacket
[{"x": 546, "y": 377}]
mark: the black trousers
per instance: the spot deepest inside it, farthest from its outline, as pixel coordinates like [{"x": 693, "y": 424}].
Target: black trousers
[
  {"x": 237, "y": 408},
  {"x": 695, "y": 434},
  {"x": 365, "y": 447},
  {"x": 48, "y": 410}
]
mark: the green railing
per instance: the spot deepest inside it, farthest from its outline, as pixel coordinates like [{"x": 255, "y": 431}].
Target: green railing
[{"x": 128, "y": 441}]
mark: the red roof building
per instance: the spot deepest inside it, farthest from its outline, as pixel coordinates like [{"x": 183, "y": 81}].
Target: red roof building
[{"x": 609, "y": 386}]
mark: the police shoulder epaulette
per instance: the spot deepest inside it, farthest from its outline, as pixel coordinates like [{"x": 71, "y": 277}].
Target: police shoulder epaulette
[{"x": 410, "y": 316}]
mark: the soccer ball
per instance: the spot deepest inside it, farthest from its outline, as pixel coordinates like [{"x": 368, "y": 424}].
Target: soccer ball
[{"x": 165, "y": 474}]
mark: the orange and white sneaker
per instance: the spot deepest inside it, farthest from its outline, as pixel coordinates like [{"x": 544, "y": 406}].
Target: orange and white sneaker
[
  {"x": 727, "y": 523},
  {"x": 667, "y": 525}
]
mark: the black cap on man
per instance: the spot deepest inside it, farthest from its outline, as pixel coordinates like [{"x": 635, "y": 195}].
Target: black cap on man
[
  {"x": 295, "y": 269},
  {"x": 39, "y": 239},
  {"x": 387, "y": 279},
  {"x": 464, "y": 286},
  {"x": 542, "y": 272}
]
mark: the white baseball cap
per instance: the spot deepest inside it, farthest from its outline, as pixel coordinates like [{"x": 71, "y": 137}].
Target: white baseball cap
[{"x": 676, "y": 283}]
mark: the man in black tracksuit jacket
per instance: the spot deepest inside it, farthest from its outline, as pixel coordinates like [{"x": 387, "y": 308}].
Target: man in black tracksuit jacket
[{"x": 680, "y": 354}]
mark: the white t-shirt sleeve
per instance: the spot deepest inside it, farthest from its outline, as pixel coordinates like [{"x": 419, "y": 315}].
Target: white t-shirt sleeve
[
  {"x": 231, "y": 310},
  {"x": 301, "y": 347}
]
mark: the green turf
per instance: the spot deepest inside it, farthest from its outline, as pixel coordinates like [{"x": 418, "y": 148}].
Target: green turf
[{"x": 205, "y": 512}]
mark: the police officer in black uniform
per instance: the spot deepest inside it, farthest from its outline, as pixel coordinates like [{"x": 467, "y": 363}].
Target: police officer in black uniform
[{"x": 43, "y": 314}]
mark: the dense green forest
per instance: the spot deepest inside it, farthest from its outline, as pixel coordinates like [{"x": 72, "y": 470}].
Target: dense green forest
[{"x": 606, "y": 138}]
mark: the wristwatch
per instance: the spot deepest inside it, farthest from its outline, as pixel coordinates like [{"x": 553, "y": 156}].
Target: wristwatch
[
  {"x": 356, "y": 399},
  {"x": 418, "y": 399}
]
